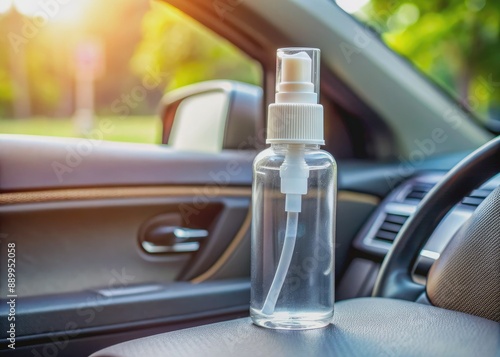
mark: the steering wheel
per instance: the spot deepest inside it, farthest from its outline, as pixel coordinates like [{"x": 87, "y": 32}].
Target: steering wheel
[{"x": 477, "y": 242}]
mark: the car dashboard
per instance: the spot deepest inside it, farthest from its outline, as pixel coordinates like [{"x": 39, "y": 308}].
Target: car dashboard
[{"x": 378, "y": 234}]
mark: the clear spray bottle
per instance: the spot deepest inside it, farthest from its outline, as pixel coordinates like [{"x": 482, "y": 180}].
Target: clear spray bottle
[{"x": 293, "y": 203}]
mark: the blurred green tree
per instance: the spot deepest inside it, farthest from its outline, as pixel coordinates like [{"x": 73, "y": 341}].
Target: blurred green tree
[
  {"x": 456, "y": 42},
  {"x": 187, "y": 52}
]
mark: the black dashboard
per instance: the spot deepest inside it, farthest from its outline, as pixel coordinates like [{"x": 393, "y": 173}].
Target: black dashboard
[{"x": 377, "y": 235}]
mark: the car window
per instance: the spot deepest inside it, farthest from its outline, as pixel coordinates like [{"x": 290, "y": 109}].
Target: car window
[
  {"x": 71, "y": 69},
  {"x": 455, "y": 42}
]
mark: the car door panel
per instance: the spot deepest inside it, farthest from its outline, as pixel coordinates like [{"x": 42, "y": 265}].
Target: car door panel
[
  {"x": 77, "y": 324},
  {"x": 78, "y": 238},
  {"x": 64, "y": 247},
  {"x": 30, "y": 163}
]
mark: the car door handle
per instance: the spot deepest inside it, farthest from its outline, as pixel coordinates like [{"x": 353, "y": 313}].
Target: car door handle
[{"x": 171, "y": 239}]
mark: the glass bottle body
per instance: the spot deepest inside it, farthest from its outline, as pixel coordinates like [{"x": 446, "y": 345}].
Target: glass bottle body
[{"x": 306, "y": 294}]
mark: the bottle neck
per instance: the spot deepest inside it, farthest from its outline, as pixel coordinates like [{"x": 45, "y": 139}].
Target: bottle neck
[{"x": 294, "y": 147}]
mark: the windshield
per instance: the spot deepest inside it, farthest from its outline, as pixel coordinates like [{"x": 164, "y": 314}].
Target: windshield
[{"x": 455, "y": 43}]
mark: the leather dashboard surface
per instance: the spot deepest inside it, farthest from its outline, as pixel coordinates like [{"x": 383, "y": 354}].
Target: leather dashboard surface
[{"x": 362, "y": 327}]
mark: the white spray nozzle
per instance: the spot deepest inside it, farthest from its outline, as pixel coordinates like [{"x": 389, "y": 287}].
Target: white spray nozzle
[
  {"x": 297, "y": 76},
  {"x": 296, "y": 117},
  {"x": 296, "y": 68}
]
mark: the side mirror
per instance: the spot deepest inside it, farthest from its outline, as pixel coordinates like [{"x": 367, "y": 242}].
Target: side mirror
[{"x": 212, "y": 116}]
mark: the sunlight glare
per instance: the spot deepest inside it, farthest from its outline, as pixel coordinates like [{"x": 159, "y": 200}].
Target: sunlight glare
[
  {"x": 53, "y": 11},
  {"x": 351, "y": 6},
  {"x": 71, "y": 12},
  {"x": 5, "y": 6},
  {"x": 27, "y": 7}
]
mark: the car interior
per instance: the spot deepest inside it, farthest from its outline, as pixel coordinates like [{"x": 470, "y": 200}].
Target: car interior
[{"x": 128, "y": 249}]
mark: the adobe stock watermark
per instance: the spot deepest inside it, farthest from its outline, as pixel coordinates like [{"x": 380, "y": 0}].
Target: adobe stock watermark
[
  {"x": 85, "y": 315},
  {"x": 361, "y": 41},
  {"x": 364, "y": 36},
  {"x": 222, "y": 178},
  {"x": 75, "y": 154},
  {"x": 485, "y": 88},
  {"x": 455, "y": 118},
  {"x": 48, "y": 9},
  {"x": 425, "y": 148},
  {"x": 309, "y": 265}
]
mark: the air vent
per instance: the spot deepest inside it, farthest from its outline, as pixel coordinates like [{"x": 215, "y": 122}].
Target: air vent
[
  {"x": 475, "y": 198},
  {"x": 418, "y": 191},
  {"x": 390, "y": 227}
]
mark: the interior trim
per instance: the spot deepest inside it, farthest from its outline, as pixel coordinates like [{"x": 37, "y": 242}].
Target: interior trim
[
  {"x": 120, "y": 192},
  {"x": 245, "y": 226},
  {"x": 358, "y": 197},
  {"x": 341, "y": 196},
  {"x": 12, "y": 198}
]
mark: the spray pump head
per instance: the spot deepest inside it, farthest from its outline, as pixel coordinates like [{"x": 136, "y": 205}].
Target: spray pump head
[
  {"x": 296, "y": 118},
  {"x": 297, "y": 76}
]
